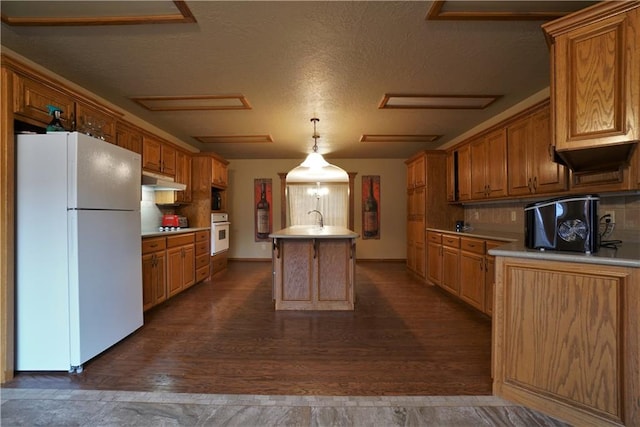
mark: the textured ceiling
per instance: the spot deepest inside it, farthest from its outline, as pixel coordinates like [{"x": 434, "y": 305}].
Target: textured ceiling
[{"x": 296, "y": 60}]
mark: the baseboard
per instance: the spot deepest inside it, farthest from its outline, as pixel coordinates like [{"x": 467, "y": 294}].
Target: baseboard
[{"x": 390, "y": 260}]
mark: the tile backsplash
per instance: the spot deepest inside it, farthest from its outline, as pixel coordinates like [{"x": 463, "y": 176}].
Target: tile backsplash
[
  {"x": 150, "y": 214},
  {"x": 509, "y": 216}
]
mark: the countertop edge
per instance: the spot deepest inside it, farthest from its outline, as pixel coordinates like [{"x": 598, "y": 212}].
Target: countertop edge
[
  {"x": 172, "y": 233},
  {"x": 604, "y": 256},
  {"x": 482, "y": 234},
  {"x": 301, "y": 232}
]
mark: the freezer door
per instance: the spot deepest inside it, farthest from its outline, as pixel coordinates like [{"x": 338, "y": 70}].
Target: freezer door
[
  {"x": 105, "y": 283},
  {"x": 102, "y": 175}
]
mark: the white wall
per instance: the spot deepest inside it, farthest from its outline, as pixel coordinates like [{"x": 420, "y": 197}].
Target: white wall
[{"x": 393, "y": 209}]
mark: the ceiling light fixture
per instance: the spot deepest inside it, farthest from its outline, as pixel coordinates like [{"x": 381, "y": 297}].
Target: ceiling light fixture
[{"x": 315, "y": 168}]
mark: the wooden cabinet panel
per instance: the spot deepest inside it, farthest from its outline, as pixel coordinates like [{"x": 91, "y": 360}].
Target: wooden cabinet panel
[
  {"x": 154, "y": 289},
  {"x": 174, "y": 271},
  {"x": 576, "y": 361},
  {"x": 489, "y": 165},
  {"x": 219, "y": 173},
  {"x": 434, "y": 263},
  {"x": 31, "y": 99},
  {"x": 451, "y": 176},
  {"x": 464, "y": 172},
  {"x": 158, "y": 156},
  {"x": 128, "y": 137},
  {"x": 183, "y": 176},
  {"x": 530, "y": 156},
  {"x": 479, "y": 156},
  {"x": 595, "y": 69},
  {"x": 92, "y": 121},
  {"x": 451, "y": 270},
  {"x": 297, "y": 270},
  {"x": 472, "y": 279}
]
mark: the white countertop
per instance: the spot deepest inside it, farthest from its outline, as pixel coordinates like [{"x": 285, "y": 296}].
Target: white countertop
[
  {"x": 314, "y": 232},
  {"x": 157, "y": 233},
  {"x": 627, "y": 254},
  {"x": 484, "y": 234}
]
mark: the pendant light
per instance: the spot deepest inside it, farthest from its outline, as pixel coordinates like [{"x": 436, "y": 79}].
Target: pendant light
[{"x": 315, "y": 168}]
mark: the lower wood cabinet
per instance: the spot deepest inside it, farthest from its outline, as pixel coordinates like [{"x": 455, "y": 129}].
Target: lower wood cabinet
[
  {"x": 172, "y": 264},
  {"x": 154, "y": 276},
  {"x": 565, "y": 339},
  {"x": 203, "y": 249},
  {"x": 180, "y": 263},
  {"x": 218, "y": 262},
  {"x": 462, "y": 266}
]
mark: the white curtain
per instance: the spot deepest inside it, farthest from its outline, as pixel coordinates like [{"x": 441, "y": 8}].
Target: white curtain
[{"x": 330, "y": 199}]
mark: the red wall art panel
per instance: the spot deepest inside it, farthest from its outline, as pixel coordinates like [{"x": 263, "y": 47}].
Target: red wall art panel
[
  {"x": 371, "y": 206},
  {"x": 262, "y": 201}
]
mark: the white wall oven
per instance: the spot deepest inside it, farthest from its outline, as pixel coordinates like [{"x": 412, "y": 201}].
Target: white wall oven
[{"x": 219, "y": 232}]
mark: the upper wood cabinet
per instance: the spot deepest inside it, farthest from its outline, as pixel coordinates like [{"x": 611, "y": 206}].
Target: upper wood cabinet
[
  {"x": 218, "y": 173},
  {"x": 595, "y": 88},
  {"x": 530, "y": 156},
  {"x": 32, "y": 97},
  {"x": 464, "y": 172},
  {"x": 183, "y": 176},
  {"x": 489, "y": 165},
  {"x": 128, "y": 137},
  {"x": 416, "y": 171},
  {"x": 158, "y": 156},
  {"x": 95, "y": 122}
]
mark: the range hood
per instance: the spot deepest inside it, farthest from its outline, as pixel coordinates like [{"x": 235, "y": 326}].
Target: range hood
[
  {"x": 596, "y": 159},
  {"x": 161, "y": 183}
]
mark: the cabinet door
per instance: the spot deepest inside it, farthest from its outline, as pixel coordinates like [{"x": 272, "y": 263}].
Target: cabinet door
[
  {"x": 419, "y": 172},
  {"x": 148, "y": 277},
  {"x": 519, "y": 160},
  {"x": 478, "y": 151},
  {"x": 183, "y": 175},
  {"x": 548, "y": 176},
  {"x": 94, "y": 122},
  {"x": 151, "y": 154},
  {"x": 464, "y": 172},
  {"x": 595, "y": 90},
  {"x": 489, "y": 283},
  {"x": 168, "y": 160},
  {"x": 451, "y": 177},
  {"x": 174, "y": 271},
  {"x": 450, "y": 270},
  {"x": 127, "y": 137},
  {"x": 160, "y": 280},
  {"x": 472, "y": 273},
  {"x": 496, "y": 167},
  {"x": 31, "y": 99},
  {"x": 434, "y": 263},
  {"x": 188, "y": 266}
]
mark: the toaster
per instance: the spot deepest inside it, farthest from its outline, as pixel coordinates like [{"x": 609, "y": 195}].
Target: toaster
[
  {"x": 170, "y": 221},
  {"x": 563, "y": 224}
]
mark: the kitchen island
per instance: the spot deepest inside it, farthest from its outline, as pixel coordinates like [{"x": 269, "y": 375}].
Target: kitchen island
[{"x": 314, "y": 268}]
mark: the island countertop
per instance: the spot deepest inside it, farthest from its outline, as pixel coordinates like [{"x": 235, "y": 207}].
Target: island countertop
[{"x": 314, "y": 232}]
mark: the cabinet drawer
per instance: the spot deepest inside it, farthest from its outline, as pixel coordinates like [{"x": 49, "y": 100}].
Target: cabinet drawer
[
  {"x": 202, "y": 261},
  {"x": 434, "y": 237},
  {"x": 180, "y": 240},
  {"x": 152, "y": 245},
  {"x": 202, "y": 236},
  {"x": 472, "y": 245},
  {"x": 202, "y": 273},
  {"x": 451, "y": 241},
  {"x": 202, "y": 248}
]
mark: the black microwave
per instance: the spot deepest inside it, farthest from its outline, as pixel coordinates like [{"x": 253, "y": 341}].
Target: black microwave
[{"x": 563, "y": 224}]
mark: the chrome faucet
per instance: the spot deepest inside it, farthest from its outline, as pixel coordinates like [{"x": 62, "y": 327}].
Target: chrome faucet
[{"x": 321, "y": 217}]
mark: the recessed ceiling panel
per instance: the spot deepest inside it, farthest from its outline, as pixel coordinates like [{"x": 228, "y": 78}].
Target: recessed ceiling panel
[
  {"x": 398, "y": 138},
  {"x": 186, "y": 103},
  {"x": 60, "y": 13},
  {"x": 503, "y": 10},
  {"x": 234, "y": 139},
  {"x": 463, "y": 102}
]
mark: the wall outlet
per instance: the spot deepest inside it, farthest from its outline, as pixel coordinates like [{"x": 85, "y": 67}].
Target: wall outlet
[
  {"x": 476, "y": 215},
  {"x": 612, "y": 214},
  {"x": 513, "y": 216}
]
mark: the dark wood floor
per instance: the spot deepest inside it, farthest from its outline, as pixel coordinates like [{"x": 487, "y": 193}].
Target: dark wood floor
[{"x": 404, "y": 338}]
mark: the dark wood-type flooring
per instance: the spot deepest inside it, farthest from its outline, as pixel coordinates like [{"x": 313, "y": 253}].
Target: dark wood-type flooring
[{"x": 224, "y": 337}]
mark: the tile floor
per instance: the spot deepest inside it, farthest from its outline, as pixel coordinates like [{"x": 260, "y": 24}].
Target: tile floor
[{"x": 50, "y": 407}]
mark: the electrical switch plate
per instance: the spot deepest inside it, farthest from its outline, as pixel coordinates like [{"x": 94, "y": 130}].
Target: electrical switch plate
[{"x": 513, "y": 216}]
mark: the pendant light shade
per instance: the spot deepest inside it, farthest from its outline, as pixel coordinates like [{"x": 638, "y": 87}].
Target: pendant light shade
[{"x": 315, "y": 168}]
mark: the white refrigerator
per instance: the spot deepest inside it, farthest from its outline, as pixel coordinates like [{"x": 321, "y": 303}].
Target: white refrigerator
[{"x": 78, "y": 251}]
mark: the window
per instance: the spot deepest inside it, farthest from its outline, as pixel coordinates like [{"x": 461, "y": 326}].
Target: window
[{"x": 332, "y": 200}]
